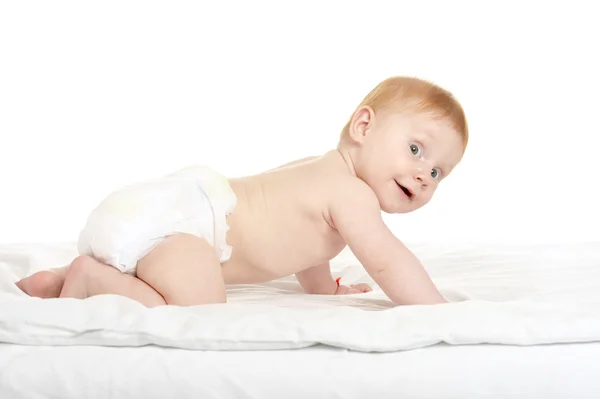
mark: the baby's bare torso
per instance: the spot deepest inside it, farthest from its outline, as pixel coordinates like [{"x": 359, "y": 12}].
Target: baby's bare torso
[{"x": 281, "y": 225}]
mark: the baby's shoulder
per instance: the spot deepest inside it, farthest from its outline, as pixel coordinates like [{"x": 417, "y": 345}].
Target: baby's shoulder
[{"x": 349, "y": 193}]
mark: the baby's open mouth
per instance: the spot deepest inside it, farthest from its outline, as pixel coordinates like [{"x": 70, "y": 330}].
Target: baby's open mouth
[{"x": 406, "y": 191}]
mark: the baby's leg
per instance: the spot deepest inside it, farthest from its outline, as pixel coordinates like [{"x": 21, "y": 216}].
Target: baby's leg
[
  {"x": 87, "y": 277},
  {"x": 183, "y": 270},
  {"x": 45, "y": 283}
]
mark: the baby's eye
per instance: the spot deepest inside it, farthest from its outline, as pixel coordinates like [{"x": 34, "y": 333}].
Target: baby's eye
[
  {"x": 415, "y": 149},
  {"x": 435, "y": 173}
]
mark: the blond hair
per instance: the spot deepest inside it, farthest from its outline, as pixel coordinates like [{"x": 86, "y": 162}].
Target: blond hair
[{"x": 402, "y": 93}]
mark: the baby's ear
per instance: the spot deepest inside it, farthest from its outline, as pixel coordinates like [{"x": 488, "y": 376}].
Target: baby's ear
[{"x": 361, "y": 123}]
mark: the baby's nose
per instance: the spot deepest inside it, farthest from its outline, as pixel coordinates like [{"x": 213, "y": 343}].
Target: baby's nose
[{"x": 421, "y": 177}]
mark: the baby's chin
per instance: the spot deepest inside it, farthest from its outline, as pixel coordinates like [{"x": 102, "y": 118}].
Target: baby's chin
[
  {"x": 396, "y": 207},
  {"x": 401, "y": 206},
  {"x": 397, "y": 211}
]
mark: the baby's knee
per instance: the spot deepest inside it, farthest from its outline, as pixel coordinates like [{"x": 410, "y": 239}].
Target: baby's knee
[{"x": 82, "y": 264}]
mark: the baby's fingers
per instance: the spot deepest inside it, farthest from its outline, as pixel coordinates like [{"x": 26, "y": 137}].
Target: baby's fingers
[
  {"x": 353, "y": 289},
  {"x": 362, "y": 287}
]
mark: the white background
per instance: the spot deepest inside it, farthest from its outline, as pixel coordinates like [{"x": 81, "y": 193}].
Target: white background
[{"x": 94, "y": 95}]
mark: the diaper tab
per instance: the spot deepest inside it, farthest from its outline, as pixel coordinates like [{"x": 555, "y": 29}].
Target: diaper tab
[{"x": 222, "y": 199}]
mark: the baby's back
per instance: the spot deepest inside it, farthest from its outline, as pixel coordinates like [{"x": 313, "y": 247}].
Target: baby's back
[{"x": 280, "y": 225}]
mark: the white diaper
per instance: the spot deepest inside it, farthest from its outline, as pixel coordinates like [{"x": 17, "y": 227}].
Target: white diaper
[{"x": 131, "y": 221}]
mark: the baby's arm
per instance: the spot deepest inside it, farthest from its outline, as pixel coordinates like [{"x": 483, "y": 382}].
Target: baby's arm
[
  {"x": 319, "y": 281},
  {"x": 357, "y": 216}
]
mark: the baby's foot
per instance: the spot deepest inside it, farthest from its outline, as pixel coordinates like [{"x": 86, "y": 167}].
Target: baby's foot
[
  {"x": 353, "y": 289},
  {"x": 43, "y": 284}
]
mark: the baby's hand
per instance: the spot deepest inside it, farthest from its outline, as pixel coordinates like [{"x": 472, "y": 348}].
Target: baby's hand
[{"x": 353, "y": 289}]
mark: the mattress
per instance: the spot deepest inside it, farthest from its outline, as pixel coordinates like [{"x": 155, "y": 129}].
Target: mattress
[
  {"x": 564, "y": 371},
  {"x": 532, "y": 309}
]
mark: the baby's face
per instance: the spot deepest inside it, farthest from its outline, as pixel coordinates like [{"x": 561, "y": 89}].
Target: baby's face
[{"x": 404, "y": 157}]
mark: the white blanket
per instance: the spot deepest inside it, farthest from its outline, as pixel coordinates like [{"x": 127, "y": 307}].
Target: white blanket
[{"x": 522, "y": 294}]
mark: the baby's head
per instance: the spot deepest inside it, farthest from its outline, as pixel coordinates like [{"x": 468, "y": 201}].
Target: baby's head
[{"x": 404, "y": 138}]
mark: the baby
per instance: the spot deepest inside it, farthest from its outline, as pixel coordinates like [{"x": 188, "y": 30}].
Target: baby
[{"x": 181, "y": 238}]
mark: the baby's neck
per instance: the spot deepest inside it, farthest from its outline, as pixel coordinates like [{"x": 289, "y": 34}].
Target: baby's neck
[{"x": 343, "y": 155}]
